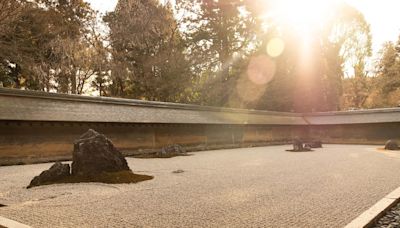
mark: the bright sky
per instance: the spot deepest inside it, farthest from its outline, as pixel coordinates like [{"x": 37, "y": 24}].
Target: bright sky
[
  {"x": 383, "y": 17},
  {"x": 103, "y": 5},
  {"x": 381, "y": 14}
]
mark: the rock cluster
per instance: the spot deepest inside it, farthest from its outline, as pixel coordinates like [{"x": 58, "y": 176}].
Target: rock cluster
[
  {"x": 299, "y": 146},
  {"x": 391, "y": 145},
  {"x": 94, "y": 155},
  {"x": 314, "y": 144},
  {"x": 171, "y": 151}
]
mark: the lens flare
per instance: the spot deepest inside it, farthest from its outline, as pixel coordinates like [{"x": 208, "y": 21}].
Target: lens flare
[
  {"x": 261, "y": 69},
  {"x": 275, "y": 47},
  {"x": 251, "y": 86},
  {"x": 248, "y": 91}
]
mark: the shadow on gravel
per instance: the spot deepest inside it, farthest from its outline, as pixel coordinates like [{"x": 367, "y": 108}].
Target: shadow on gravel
[
  {"x": 299, "y": 151},
  {"x": 154, "y": 155}
]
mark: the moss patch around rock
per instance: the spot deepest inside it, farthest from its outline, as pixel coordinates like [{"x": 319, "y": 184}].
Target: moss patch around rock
[{"x": 121, "y": 177}]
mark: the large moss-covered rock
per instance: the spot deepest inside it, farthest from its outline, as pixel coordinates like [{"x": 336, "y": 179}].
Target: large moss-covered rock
[
  {"x": 94, "y": 154},
  {"x": 95, "y": 159}
]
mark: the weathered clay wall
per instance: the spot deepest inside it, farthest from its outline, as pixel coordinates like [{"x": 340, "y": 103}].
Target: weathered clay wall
[
  {"x": 30, "y": 142},
  {"x": 38, "y": 127},
  {"x": 371, "y": 133}
]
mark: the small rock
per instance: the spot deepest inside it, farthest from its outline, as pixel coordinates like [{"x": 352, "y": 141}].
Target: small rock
[
  {"x": 314, "y": 144},
  {"x": 297, "y": 145},
  {"x": 58, "y": 171},
  {"x": 391, "y": 145},
  {"x": 178, "y": 171},
  {"x": 307, "y": 147},
  {"x": 170, "y": 151}
]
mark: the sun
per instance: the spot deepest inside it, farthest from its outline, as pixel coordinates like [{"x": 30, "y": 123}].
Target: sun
[{"x": 304, "y": 17}]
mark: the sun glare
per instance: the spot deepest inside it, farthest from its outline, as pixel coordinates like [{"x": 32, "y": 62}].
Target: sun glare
[{"x": 304, "y": 16}]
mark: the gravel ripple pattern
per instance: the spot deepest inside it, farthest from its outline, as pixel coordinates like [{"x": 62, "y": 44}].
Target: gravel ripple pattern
[{"x": 247, "y": 187}]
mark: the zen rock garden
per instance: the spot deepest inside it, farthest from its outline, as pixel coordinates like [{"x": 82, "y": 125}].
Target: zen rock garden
[{"x": 94, "y": 159}]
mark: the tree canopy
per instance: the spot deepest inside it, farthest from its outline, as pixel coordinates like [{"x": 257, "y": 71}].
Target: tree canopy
[{"x": 231, "y": 53}]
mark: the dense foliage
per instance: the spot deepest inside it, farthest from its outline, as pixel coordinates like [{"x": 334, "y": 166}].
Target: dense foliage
[{"x": 204, "y": 52}]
